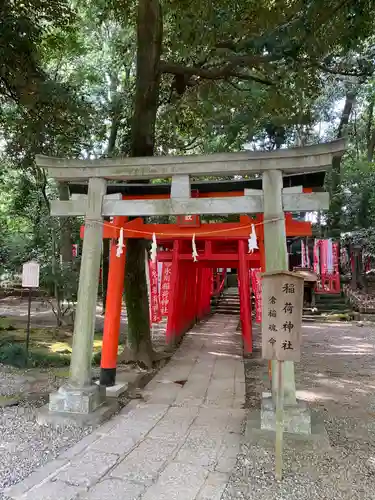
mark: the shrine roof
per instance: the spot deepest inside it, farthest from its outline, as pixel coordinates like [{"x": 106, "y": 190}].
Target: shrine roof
[{"x": 313, "y": 180}]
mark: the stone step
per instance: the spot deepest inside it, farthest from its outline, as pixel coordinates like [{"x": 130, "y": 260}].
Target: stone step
[
  {"x": 329, "y": 298},
  {"x": 228, "y": 306},
  {"x": 234, "y": 309},
  {"x": 230, "y": 312},
  {"x": 330, "y": 304},
  {"x": 337, "y": 307},
  {"x": 230, "y": 301},
  {"x": 316, "y": 318},
  {"x": 336, "y": 300}
]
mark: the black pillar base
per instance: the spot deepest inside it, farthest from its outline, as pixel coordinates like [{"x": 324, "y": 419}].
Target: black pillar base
[{"x": 107, "y": 377}]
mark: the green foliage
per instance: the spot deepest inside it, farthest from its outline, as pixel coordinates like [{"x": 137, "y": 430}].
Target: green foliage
[
  {"x": 267, "y": 74},
  {"x": 13, "y": 353},
  {"x": 97, "y": 356},
  {"x": 43, "y": 360}
]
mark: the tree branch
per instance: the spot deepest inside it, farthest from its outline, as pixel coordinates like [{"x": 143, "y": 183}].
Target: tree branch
[
  {"x": 237, "y": 87},
  {"x": 338, "y": 71},
  {"x": 222, "y": 73}
]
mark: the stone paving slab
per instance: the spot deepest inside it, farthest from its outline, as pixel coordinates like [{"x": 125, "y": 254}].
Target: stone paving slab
[
  {"x": 114, "y": 489},
  {"x": 53, "y": 491},
  {"x": 114, "y": 445},
  {"x": 201, "y": 447},
  {"x": 180, "y": 443},
  {"x": 87, "y": 469},
  {"x": 146, "y": 461},
  {"x": 177, "y": 483},
  {"x": 214, "y": 486}
]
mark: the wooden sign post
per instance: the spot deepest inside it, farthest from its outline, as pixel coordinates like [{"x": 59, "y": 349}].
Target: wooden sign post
[
  {"x": 282, "y": 299},
  {"x": 30, "y": 280}
]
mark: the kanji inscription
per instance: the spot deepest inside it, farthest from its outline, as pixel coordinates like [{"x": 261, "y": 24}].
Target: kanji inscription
[{"x": 282, "y": 296}]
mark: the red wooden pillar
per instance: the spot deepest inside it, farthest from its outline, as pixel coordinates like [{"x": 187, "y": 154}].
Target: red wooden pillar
[
  {"x": 191, "y": 294},
  {"x": 260, "y": 237},
  {"x": 112, "y": 319},
  {"x": 198, "y": 298},
  {"x": 201, "y": 292},
  {"x": 173, "y": 305},
  {"x": 209, "y": 288},
  {"x": 182, "y": 300},
  {"x": 244, "y": 290}
]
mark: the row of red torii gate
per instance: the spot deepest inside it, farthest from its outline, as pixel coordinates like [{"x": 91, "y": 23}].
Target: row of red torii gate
[{"x": 188, "y": 267}]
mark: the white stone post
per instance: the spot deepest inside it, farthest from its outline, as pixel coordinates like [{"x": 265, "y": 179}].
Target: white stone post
[
  {"x": 84, "y": 325},
  {"x": 276, "y": 254},
  {"x": 296, "y": 417},
  {"x": 79, "y": 395}
]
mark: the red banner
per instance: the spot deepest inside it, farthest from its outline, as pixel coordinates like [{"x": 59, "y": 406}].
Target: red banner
[
  {"x": 335, "y": 251},
  {"x": 256, "y": 285},
  {"x": 165, "y": 287},
  {"x": 155, "y": 315},
  {"x": 323, "y": 256},
  {"x": 75, "y": 250},
  {"x": 303, "y": 254},
  {"x": 316, "y": 257}
]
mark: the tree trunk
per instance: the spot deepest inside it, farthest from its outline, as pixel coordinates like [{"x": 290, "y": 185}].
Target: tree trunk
[
  {"x": 335, "y": 209},
  {"x": 149, "y": 39},
  {"x": 114, "y": 113},
  {"x": 363, "y": 215},
  {"x": 370, "y": 133},
  {"x": 139, "y": 345},
  {"x": 55, "y": 274}
]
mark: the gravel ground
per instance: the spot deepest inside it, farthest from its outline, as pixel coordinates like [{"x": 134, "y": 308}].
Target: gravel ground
[
  {"x": 24, "y": 445},
  {"x": 336, "y": 376}
]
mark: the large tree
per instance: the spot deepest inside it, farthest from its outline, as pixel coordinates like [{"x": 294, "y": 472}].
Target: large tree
[
  {"x": 148, "y": 77},
  {"x": 277, "y": 50}
]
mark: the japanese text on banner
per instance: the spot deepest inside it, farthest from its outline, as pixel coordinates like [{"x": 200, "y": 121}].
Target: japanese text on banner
[
  {"x": 256, "y": 285},
  {"x": 165, "y": 287},
  {"x": 155, "y": 314}
]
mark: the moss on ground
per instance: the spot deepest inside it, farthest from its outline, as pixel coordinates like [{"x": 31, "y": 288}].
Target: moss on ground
[
  {"x": 339, "y": 317},
  {"x": 48, "y": 347}
]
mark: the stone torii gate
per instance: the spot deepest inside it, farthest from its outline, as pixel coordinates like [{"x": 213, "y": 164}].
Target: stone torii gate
[{"x": 82, "y": 401}]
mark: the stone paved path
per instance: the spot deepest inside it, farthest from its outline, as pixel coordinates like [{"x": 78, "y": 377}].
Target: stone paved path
[{"x": 181, "y": 442}]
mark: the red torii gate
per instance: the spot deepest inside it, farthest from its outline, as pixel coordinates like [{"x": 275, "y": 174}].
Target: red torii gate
[{"x": 218, "y": 245}]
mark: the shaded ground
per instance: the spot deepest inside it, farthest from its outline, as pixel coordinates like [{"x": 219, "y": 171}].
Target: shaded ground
[
  {"x": 24, "y": 445},
  {"x": 180, "y": 442},
  {"x": 41, "y": 312},
  {"x": 48, "y": 340},
  {"x": 337, "y": 377}
]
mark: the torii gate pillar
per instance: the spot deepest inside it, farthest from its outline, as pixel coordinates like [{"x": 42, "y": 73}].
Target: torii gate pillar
[
  {"x": 80, "y": 396},
  {"x": 297, "y": 417}
]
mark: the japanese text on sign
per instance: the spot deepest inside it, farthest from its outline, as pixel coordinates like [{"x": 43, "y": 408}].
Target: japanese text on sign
[
  {"x": 155, "y": 314},
  {"x": 256, "y": 285},
  {"x": 282, "y": 296},
  {"x": 165, "y": 287},
  {"x": 30, "y": 275}
]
